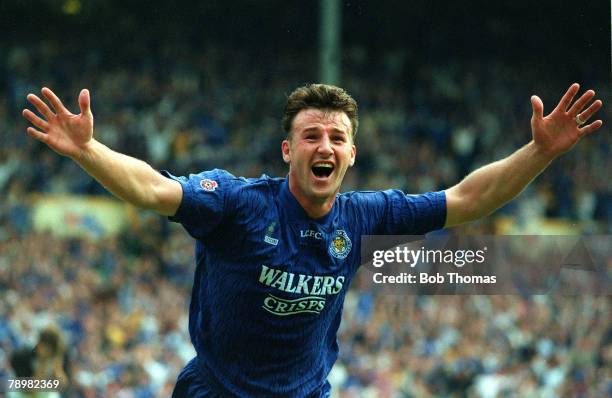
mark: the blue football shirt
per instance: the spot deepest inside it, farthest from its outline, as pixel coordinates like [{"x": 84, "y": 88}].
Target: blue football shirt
[{"x": 270, "y": 281}]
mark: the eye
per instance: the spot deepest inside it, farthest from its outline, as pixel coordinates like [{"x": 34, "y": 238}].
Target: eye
[{"x": 339, "y": 138}]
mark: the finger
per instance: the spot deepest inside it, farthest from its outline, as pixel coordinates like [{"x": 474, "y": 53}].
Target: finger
[
  {"x": 590, "y": 128},
  {"x": 84, "y": 102},
  {"x": 39, "y": 135},
  {"x": 54, "y": 101},
  {"x": 594, "y": 107},
  {"x": 538, "y": 107},
  {"x": 567, "y": 97},
  {"x": 580, "y": 103},
  {"x": 35, "y": 120},
  {"x": 40, "y": 106}
]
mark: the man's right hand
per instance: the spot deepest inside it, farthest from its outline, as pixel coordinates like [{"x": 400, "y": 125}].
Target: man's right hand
[
  {"x": 64, "y": 132},
  {"x": 128, "y": 178}
]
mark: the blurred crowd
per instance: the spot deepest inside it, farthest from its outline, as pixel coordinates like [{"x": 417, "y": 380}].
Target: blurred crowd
[
  {"x": 423, "y": 127},
  {"x": 121, "y": 303},
  {"x": 474, "y": 346}
]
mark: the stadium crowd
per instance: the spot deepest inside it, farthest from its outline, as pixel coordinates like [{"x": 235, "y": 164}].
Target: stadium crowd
[
  {"x": 185, "y": 112},
  {"x": 121, "y": 302},
  {"x": 121, "y": 305}
]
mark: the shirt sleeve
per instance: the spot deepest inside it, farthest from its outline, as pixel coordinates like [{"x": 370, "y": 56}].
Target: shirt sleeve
[
  {"x": 412, "y": 214},
  {"x": 204, "y": 202}
]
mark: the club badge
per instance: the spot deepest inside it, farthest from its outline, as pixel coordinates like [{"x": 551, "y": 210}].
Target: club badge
[{"x": 340, "y": 245}]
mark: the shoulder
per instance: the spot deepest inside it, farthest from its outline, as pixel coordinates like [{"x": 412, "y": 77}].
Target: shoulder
[
  {"x": 222, "y": 187},
  {"x": 262, "y": 184},
  {"x": 247, "y": 192},
  {"x": 366, "y": 198},
  {"x": 386, "y": 197},
  {"x": 223, "y": 179},
  {"x": 363, "y": 203},
  {"x": 392, "y": 203}
]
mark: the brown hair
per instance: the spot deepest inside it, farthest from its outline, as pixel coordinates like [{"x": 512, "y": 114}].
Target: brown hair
[
  {"x": 50, "y": 337},
  {"x": 320, "y": 96}
]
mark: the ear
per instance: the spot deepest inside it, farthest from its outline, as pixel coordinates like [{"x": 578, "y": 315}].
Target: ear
[
  {"x": 353, "y": 154},
  {"x": 286, "y": 150}
]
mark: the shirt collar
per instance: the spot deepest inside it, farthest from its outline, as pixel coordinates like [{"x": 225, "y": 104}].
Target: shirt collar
[{"x": 295, "y": 210}]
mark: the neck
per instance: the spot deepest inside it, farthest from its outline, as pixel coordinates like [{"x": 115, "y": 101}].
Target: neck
[{"x": 314, "y": 207}]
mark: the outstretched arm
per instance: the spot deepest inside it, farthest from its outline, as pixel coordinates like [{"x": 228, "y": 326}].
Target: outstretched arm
[
  {"x": 491, "y": 186},
  {"x": 71, "y": 135}
]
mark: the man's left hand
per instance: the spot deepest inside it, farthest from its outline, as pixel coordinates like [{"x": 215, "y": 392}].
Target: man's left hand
[{"x": 559, "y": 131}]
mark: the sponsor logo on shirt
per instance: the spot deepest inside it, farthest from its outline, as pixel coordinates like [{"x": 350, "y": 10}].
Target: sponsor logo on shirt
[
  {"x": 314, "y": 286},
  {"x": 208, "y": 184},
  {"x": 284, "y": 307},
  {"x": 340, "y": 245}
]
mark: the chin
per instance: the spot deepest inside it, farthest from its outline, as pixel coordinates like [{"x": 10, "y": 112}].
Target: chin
[{"x": 323, "y": 194}]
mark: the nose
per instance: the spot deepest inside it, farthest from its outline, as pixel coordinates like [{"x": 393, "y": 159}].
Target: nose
[{"x": 325, "y": 148}]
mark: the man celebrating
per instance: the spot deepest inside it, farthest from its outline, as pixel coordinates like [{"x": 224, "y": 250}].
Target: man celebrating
[{"x": 275, "y": 256}]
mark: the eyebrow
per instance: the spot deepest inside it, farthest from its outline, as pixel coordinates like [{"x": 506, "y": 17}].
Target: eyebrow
[{"x": 335, "y": 130}]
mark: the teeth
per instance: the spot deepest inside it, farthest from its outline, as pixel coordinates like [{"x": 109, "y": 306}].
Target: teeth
[{"x": 327, "y": 165}]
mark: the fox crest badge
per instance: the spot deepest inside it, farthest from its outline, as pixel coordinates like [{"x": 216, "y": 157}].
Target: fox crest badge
[{"x": 340, "y": 245}]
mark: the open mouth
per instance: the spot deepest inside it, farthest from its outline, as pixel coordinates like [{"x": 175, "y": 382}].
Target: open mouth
[{"x": 322, "y": 170}]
